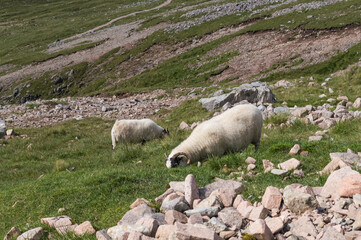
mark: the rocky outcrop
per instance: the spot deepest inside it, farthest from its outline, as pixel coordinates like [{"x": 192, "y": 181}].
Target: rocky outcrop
[{"x": 256, "y": 92}]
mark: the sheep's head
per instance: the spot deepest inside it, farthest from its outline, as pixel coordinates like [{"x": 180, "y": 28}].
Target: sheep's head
[
  {"x": 178, "y": 159},
  {"x": 165, "y": 132}
]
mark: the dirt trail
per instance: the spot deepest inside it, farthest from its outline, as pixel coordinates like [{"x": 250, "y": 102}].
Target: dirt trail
[
  {"x": 118, "y": 36},
  {"x": 116, "y": 19}
]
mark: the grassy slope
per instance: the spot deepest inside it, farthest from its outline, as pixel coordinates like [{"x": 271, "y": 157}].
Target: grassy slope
[{"x": 104, "y": 183}]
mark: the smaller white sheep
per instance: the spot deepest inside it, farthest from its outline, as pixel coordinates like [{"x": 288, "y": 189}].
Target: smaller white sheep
[
  {"x": 231, "y": 131},
  {"x": 134, "y": 131}
]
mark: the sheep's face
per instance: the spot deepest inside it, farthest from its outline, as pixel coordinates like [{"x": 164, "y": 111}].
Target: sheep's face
[
  {"x": 180, "y": 160},
  {"x": 165, "y": 132}
]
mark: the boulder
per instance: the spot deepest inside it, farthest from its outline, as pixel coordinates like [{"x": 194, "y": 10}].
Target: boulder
[
  {"x": 332, "y": 185},
  {"x": 102, "y": 235},
  {"x": 121, "y": 232},
  {"x": 195, "y": 219},
  {"x": 274, "y": 224},
  {"x": 332, "y": 233},
  {"x": 250, "y": 160},
  {"x": 216, "y": 225},
  {"x": 177, "y": 186},
  {"x": 350, "y": 185},
  {"x": 211, "y": 201},
  {"x": 226, "y": 196},
  {"x": 256, "y": 92},
  {"x": 160, "y": 198},
  {"x": 267, "y": 165},
  {"x": 258, "y": 213}
]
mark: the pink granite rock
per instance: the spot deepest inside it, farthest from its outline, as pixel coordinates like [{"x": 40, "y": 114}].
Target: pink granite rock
[
  {"x": 149, "y": 223},
  {"x": 160, "y": 198},
  {"x": 295, "y": 149},
  {"x": 272, "y": 198},
  {"x": 350, "y": 185},
  {"x": 195, "y": 219},
  {"x": 258, "y": 213},
  {"x": 185, "y": 231},
  {"x": 13, "y": 233},
  {"x": 84, "y": 228},
  {"x": 250, "y": 160},
  {"x": 260, "y": 230},
  {"x": 332, "y": 185},
  {"x": 190, "y": 189},
  {"x": 290, "y": 164},
  {"x": 274, "y": 224},
  {"x": 267, "y": 165},
  {"x": 226, "y": 196},
  {"x": 138, "y": 202},
  {"x": 164, "y": 231},
  {"x": 239, "y": 198},
  {"x": 173, "y": 216}
]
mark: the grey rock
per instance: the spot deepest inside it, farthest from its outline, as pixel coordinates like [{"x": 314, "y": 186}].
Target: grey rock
[
  {"x": 253, "y": 93},
  {"x": 33, "y": 234},
  {"x": 118, "y": 232},
  {"x": 297, "y": 201},
  {"x": 160, "y": 217},
  {"x": 216, "y": 225},
  {"x": 281, "y": 110},
  {"x": 13, "y": 233},
  {"x": 209, "y": 211},
  {"x": 231, "y": 217},
  {"x": 211, "y": 201},
  {"x": 178, "y": 204},
  {"x": 278, "y": 171},
  {"x": 103, "y": 235}
]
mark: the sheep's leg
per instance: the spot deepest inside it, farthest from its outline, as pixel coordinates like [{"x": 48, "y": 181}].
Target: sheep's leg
[
  {"x": 256, "y": 146},
  {"x": 143, "y": 141},
  {"x": 114, "y": 141}
]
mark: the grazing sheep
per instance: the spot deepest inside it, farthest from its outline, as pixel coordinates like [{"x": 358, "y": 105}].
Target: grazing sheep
[
  {"x": 136, "y": 131},
  {"x": 231, "y": 131}
]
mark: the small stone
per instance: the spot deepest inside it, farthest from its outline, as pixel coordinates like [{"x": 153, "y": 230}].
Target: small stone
[
  {"x": 290, "y": 164},
  {"x": 295, "y": 149},
  {"x": 272, "y": 198},
  {"x": 185, "y": 231},
  {"x": 298, "y": 173},
  {"x": 304, "y": 153},
  {"x": 314, "y": 138},
  {"x": 227, "y": 234},
  {"x": 340, "y": 98},
  {"x": 250, "y": 160},
  {"x": 260, "y": 230},
  {"x": 298, "y": 201},
  {"x": 251, "y": 167},
  {"x": 184, "y": 126},
  {"x": 84, "y": 228},
  {"x": 245, "y": 208},
  {"x": 278, "y": 171},
  {"x": 267, "y": 165},
  {"x": 10, "y": 132},
  {"x": 357, "y": 103},
  {"x": 357, "y": 224}
]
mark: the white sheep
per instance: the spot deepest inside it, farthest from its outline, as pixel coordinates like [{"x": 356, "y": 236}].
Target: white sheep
[
  {"x": 131, "y": 130},
  {"x": 231, "y": 131}
]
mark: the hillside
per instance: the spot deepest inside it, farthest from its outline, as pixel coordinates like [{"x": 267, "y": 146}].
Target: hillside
[{"x": 68, "y": 69}]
